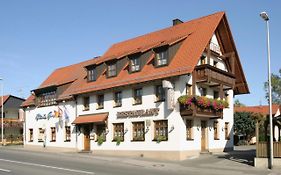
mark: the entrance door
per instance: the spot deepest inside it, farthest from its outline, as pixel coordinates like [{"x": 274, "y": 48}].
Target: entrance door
[
  {"x": 203, "y": 135},
  {"x": 86, "y": 138}
]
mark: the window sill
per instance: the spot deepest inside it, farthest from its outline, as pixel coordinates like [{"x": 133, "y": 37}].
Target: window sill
[
  {"x": 116, "y": 140},
  {"x": 86, "y": 109},
  {"x": 155, "y": 140},
  {"x": 216, "y": 139},
  {"x": 67, "y": 141},
  {"x": 52, "y": 141},
  {"x": 40, "y": 141},
  {"x": 190, "y": 139},
  {"x": 159, "y": 101},
  {"x": 117, "y": 106},
  {"x": 98, "y": 108},
  {"x": 30, "y": 141},
  {"x": 137, "y": 140},
  {"x": 137, "y": 104}
]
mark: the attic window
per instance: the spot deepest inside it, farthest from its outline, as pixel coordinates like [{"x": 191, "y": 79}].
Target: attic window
[
  {"x": 135, "y": 64},
  {"x": 91, "y": 74},
  {"x": 111, "y": 70},
  {"x": 161, "y": 57}
]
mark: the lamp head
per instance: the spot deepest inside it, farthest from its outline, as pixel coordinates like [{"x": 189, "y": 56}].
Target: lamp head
[{"x": 264, "y": 16}]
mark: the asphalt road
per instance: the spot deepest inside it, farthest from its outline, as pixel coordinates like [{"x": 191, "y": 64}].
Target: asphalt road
[{"x": 19, "y": 161}]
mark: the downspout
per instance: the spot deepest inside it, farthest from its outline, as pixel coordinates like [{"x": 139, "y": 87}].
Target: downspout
[{"x": 76, "y": 129}]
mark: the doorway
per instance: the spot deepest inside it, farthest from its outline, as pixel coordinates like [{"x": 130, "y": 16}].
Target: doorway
[
  {"x": 87, "y": 144},
  {"x": 203, "y": 135}
]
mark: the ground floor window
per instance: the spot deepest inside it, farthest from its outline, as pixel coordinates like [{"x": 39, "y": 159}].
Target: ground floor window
[
  {"x": 31, "y": 135},
  {"x": 101, "y": 131},
  {"x": 118, "y": 131},
  {"x": 138, "y": 131},
  {"x": 161, "y": 130},
  {"x": 53, "y": 134},
  {"x": 40, "y": 135},
  {"x": 189, "y": 129},
  {"x": 226, "y": 131},
  {"x": 67, "y": 134},
  {"x": 216, "y": 130}
]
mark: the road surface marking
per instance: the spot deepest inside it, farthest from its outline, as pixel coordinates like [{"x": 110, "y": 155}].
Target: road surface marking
[
  {"x": 47, "y": 166},
  {"x": 4, "y": 170}
]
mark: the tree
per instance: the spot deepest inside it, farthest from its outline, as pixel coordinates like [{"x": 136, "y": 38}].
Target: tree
[
  {"x": 237, "y": 103},
  {"x": 276, "y": 88},
  {"x": 244, "y": 124}
]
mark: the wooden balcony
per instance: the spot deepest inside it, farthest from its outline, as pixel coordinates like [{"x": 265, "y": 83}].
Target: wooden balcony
[
  {"x": 193, "y": 110},
  {"x": 214, "y": 76}
]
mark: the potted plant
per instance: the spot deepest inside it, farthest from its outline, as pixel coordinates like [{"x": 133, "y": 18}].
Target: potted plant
[
  {"x": 118, "y": 140},
  {"x": 100, "y": 139},
  {"x": 160, "y": 138}
]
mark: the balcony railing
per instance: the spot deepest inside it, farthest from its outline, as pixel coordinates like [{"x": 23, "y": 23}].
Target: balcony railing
[
  {"x": 193, "y": 110},
  {"x": 208, "y": 73},
  {"x": 201, "y": 106}
]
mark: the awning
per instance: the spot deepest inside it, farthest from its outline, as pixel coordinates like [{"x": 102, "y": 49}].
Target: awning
[{"x": 91, "y": 118}]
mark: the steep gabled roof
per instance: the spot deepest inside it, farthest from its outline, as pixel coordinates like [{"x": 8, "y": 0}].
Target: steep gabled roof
[
  {"x": 194, "y": 36},
  {"x": 6, "y": 98},
  {"x": 59, "y": 77}
]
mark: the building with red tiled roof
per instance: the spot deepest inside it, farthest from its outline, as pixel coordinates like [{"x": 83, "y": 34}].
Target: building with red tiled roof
[
  {"x": 153, "y": 94},
  {"x": 12, "y": 117},
  {"x": 264, "y": 110}
]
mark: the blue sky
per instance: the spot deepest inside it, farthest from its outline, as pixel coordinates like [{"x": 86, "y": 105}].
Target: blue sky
[{"x": 37, "y": 37}]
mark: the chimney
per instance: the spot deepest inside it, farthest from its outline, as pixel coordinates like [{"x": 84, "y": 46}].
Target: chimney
[{"x": 176, "y": 21}]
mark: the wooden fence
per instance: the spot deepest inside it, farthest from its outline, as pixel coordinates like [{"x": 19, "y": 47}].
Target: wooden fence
[{"x": 263, "y": 149}]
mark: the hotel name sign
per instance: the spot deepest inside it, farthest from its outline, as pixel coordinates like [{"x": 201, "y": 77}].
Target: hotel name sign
[{"x": 138, "y": 113}]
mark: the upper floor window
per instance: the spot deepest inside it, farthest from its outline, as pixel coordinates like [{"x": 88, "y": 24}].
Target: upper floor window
[
  {"x": 112, "y": 70},
  {"x": 118, "y": 99},
  {"x": 135, "y": 64},
  {"x": 100, "y": 101},
  {"x": 188, "y": 89},
  {"x": 91, "y": 74},
  {"x": 160, "y": 93},
  {"x": 215, "y": 64},
  {"x": 138, "y": 96},
  {"x": 162, "y": 57},
  {"x": 203, "y": 91},
  {"x": 216, "y": 94},
  {"x": 86, "y": 103},
  {"x": 203, "y": 60},
  {"x": 47, "y": 99}
]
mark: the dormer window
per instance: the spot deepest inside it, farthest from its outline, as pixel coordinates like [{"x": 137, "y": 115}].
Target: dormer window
[
  {"x": 91, "y": 74},
  {"x": 135, "y": 64},
  {"x": 161, "y": 57},
  {"x": 111, "y": 70}
]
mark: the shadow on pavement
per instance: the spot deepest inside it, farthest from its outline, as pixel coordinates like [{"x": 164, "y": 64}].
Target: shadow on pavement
[{"x": 241, "y": 156}]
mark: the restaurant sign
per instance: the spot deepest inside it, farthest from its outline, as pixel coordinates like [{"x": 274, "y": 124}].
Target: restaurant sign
[{"x": 138, "y": 113}]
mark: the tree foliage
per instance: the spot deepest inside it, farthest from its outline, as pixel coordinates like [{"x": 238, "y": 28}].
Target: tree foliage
[
  {"x": 244, "y": 124},
  {"x": 276, "y": 88},
  {"x": 237, "y": 103}
]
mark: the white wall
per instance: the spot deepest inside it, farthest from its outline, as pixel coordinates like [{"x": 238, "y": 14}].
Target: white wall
[{"x": 59, "y": 123}]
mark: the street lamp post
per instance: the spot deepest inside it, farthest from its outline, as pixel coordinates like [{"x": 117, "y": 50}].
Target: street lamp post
[
  {"x": 2, "y": 111},
  {"x": 265, "y": 17}
]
